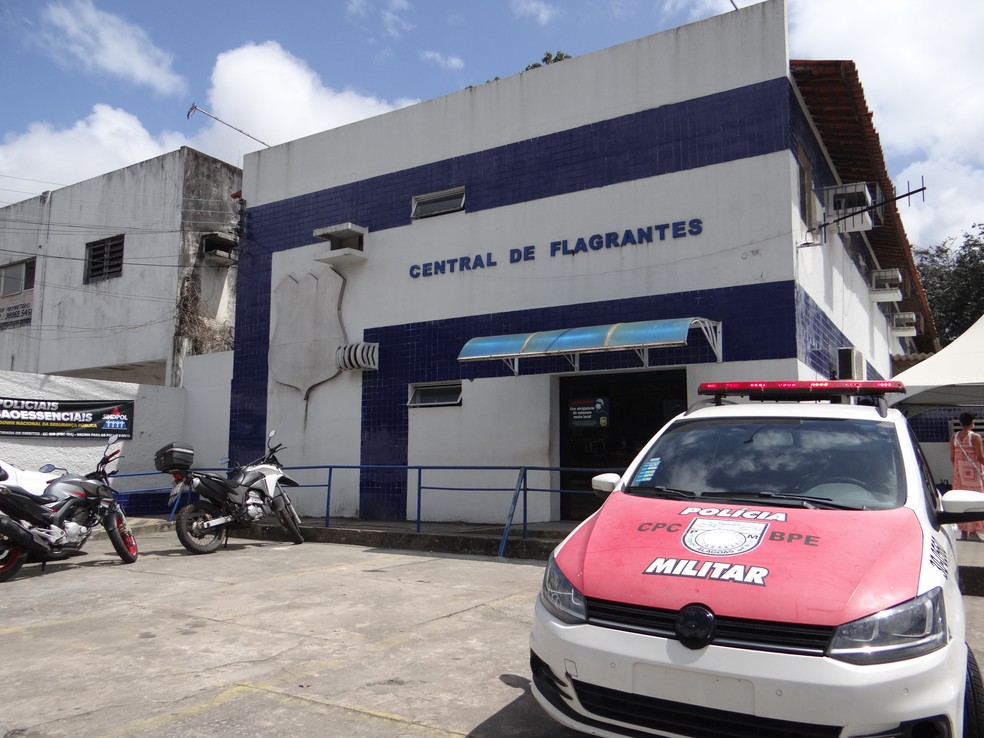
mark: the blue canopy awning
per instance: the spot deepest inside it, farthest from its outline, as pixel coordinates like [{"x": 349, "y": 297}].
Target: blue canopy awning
[{"x": 572, "y": 342}]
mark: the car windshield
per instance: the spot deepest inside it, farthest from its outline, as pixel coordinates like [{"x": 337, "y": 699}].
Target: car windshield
[{"x": 854, "y": 464}]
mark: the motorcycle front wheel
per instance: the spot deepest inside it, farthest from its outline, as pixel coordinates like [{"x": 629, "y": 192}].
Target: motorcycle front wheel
[
  {"x": 121, "y": 536},
  {"x": 187, "y": 524},
  {"x": 12, "y": 558},
  {"x": 284, "y": 510}
]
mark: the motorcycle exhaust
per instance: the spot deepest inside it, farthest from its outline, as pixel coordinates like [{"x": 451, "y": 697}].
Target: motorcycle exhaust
[
  {"x": 215, "y": 522},
  {"x": 19, "y": 534}
]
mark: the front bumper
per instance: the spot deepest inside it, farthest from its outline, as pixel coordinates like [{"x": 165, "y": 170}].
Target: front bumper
[{"x": 610, "y": 682}]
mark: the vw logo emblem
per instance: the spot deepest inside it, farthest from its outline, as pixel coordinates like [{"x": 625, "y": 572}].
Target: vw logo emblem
[{"x": 694, "y": 626}]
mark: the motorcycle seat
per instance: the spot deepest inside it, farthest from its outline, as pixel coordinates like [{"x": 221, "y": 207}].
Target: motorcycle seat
[{"x": 23, "y": 491}]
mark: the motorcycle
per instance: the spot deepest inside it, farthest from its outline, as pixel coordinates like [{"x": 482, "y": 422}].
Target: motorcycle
[
  {"x": 60, "y": 519},
  {"x": 236, "y": 500}
]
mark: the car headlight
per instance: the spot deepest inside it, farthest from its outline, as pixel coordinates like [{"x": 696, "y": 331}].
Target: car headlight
[
  {"x": 902, "y": 632},
  {"x": 560, "y": 597}
]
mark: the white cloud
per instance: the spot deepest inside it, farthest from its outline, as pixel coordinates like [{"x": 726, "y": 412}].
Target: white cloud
[
  {"x": 108, "y": 139},
  {"x": 358, "y": 8},
  {"x": 392, "y": 15},
  {"x": 904, "y": 54},
  {"x": 952, "y": 200},
  {"x": 541, "y": 12},
  {"x": 442, "y": 60},
  {"x": 78, "y": 35},
  {"x": 694, "y": 10},
  {"x": 274, "y": 96},
  {"x": 259, "y": 89},
  {"x": 394, "y": 21},
  {"x": 919, "y": 69}
]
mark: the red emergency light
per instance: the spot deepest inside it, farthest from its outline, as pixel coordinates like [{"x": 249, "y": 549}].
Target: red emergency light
[{"x": 819, "y": 390}]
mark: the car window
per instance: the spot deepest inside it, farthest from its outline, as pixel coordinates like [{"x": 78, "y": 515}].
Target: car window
[
  {"x": 854, "y": 463},
  {"x": 934, "y": 500}
]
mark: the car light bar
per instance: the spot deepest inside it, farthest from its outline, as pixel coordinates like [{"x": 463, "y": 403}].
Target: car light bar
[{"x": 811, "y": 389}]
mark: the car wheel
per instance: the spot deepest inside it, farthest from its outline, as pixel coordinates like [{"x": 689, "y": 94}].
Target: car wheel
[{"x": 973, "y": 699}]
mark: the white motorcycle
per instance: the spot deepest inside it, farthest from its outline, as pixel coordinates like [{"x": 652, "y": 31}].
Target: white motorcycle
[
  {"x": 49, "y": 524},
  {"x": 235, "y": 500}
]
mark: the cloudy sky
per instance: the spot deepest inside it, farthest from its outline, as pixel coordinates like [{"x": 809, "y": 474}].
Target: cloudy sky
[{"x": 94, "y": 85}]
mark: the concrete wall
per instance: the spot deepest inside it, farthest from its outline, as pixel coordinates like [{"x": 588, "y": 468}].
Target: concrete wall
[
  {"x": 503, "y": 421},
  {"x": 123, "y": 327},
  {"x": 158, "y": 420},
  {"x": 197, "y": 414},
  {"x": 205, "y": 425}
]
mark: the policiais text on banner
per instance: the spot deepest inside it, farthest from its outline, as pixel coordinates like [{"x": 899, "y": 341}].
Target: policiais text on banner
[{"x": 83, "y": 418}]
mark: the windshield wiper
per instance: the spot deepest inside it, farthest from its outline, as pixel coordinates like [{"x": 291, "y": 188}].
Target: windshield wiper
[
  {"x": 658, "y": 491},
  {"x": 782, "y": 499}
]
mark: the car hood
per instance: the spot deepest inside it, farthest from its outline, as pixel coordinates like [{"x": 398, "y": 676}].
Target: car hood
[{"x": 795, "y": 565}]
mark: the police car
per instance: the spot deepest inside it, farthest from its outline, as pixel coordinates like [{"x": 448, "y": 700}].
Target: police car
[{"x": 775, "y": 568}]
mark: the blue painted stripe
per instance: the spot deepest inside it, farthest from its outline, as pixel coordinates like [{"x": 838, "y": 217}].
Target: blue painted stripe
[{"x": 737, "y": 124}]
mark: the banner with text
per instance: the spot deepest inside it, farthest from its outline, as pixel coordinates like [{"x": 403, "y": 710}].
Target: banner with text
[{"x": 80, "y": 418}]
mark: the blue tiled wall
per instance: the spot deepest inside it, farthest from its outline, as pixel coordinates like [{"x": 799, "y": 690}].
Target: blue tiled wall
[
  {"x": 759, "y": 323},
  {"x": 817, "y": 338},
  {"x": 933, "y": 426},
  {"x": 747, "y": 122}
]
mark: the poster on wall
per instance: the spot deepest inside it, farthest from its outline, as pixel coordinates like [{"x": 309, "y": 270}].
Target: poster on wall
[
  {"x": 589, "y": 412},
  {"x": 77, "y": 418}
]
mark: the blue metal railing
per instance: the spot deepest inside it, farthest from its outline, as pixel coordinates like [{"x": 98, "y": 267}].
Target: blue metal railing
[{"x": 520, "y": 490}]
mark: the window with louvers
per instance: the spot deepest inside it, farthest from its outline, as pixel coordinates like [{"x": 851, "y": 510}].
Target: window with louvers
[{"x": 104, "y": 259}]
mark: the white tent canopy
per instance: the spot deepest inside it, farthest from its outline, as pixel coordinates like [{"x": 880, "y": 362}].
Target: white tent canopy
[{"x": 952, "y": 376}]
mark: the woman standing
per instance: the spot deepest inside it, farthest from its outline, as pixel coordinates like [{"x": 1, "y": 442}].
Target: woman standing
[{"x": 967, "y": 456}]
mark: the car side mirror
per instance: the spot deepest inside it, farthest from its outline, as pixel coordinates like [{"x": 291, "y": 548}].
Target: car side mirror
[
  {"x": 962, "y": 506},
  {"x": 604, "y": 484}
]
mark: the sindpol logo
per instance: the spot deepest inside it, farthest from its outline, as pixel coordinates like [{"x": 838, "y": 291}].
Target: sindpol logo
[{"x": 114, "y": 420}]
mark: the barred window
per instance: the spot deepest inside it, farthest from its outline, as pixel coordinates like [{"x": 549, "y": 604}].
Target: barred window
[{"x": 104, "y": 259}]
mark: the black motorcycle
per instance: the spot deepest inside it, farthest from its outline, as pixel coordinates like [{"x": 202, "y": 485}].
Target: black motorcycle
[
  {"x": 234, "y": 500},
  {"x": 62, "y": 518}
]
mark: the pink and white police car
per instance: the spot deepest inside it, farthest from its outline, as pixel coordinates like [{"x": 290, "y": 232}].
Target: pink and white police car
[{"x": 773, "y": 569}]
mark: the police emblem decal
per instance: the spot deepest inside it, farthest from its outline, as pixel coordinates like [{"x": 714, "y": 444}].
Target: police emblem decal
[{"x": 716, "y": 537}]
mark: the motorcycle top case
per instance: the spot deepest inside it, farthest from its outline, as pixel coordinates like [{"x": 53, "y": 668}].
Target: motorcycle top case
[{"x": 174, "y": 457}]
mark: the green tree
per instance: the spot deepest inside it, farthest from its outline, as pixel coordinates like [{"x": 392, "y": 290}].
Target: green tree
[
  {"x": 953, "y": 277},
  {"x": 549, "y": 58}
]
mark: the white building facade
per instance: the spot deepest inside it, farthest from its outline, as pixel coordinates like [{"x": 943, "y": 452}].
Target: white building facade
[
  {"x": 121, "y": 276},
  {"x": 540, "y": 271}
]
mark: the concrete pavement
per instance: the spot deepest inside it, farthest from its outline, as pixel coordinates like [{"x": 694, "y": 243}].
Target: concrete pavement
[
  {"x": 264, "y": 638},
  {"x": 269, "y": 639}
]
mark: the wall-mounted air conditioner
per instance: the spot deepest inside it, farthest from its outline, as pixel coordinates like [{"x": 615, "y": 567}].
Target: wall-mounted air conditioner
[
  {"x": 848, "y": 208},
  {"x": 346, "y": 244},
  {"x": 884, "y": 278},
  {"x": 850, "y": 363},
  {"x": 886, "y": 285},
  {"x": 218, "y": 249},
  {"x": 342, "y": 236},
  {"x": 904, "y": 324}
]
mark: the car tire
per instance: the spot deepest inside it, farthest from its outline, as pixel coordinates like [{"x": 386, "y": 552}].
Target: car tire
[{"x": 973, "y": 699}]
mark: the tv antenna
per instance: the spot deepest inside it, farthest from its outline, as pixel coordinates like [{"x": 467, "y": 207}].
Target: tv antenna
[{"x": 194, "y": 108}]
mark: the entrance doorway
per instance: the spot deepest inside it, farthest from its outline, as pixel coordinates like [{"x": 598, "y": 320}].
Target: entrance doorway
[{"x": 605, "y": 419}]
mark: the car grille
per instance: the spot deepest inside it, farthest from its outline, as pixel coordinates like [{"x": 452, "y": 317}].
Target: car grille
[
  {"x": 758, "y": 635},
  {"x": 685, "y": 719}
]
